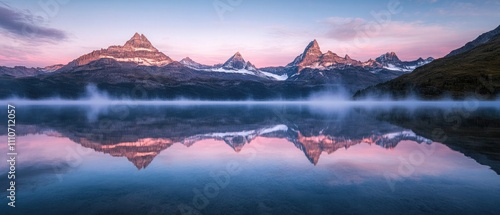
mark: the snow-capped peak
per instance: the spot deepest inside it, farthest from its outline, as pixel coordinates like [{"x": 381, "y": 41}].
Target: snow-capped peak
[
  {"x": 187, "y": 61},
  {"x": 235, "y": 62},
  {"x": 237, "y": 65},
  {"x": 391, "y": 61},
  {"x": 389, "y": 57}
]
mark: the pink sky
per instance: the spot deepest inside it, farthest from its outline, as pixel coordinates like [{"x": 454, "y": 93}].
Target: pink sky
[{"x": 267, "y": 33}]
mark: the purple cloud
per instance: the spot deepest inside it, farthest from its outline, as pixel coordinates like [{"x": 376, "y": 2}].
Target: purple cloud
[{"x": 25, "y": 26}]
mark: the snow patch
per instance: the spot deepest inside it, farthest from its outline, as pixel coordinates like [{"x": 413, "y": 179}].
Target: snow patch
[
  {"x": 274, "y": 76},
  {"x": 140, "y": 61},
  {"x": 240, "y": 71},
  {"x": 247, "y": 133},
  {"x": 248, "y": 72}
]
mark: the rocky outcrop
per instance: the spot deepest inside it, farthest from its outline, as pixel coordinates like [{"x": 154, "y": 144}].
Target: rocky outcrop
[
  {"x": 313, "y": 58},
  {"x": 138, "y": 50}
]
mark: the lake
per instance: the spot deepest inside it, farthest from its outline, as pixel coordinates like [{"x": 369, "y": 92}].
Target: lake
[{"x": 255, "y": 158}]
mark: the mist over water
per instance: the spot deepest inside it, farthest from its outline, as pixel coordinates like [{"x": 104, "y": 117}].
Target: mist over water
[{"x": 95, "y": 97}]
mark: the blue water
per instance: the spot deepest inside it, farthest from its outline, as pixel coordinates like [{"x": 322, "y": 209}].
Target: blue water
[{"x": 255, "y": 159}]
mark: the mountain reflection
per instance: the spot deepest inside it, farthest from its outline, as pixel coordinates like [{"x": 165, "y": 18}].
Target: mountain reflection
[{"x": 141, "y": 133}]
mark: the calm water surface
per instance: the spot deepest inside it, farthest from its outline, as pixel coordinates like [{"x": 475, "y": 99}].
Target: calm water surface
[{"x": 255, "y": 159}]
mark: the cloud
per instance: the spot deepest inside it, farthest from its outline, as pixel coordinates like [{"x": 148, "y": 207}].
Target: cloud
[
  {"x": 349, "y": 29},
  {"x": 24, "y": 25},
  {"x": 342, "y": 28},
  {"x": 367, "y": 38}
]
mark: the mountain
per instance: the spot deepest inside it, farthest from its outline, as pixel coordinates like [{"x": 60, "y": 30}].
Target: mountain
[
  {"x": 19, "y": 71},
  {"x": 127, "y": 80},
  {"x": 309, "y": 57},
  {"x": 137, "y": 50},
  {"x": 313, "y": 67},
  {"x": 193, "y": 64},
  {"x": 139, "y": 65},
  {"x": 313, "y": 58},
  {"x": 237, "y": 64},
  {"x": 483, "y": 38},
  {"x": 472, "y": 74},
  {"x": 391, "y": 61},
  {"x": 52, "y": 68}
]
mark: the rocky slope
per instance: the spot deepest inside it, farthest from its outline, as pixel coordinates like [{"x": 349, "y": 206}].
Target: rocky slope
[
  {"x": 483, "y": 38},
  {"x": 137, "y": 50},
  {"x": 472, "y": 74},
  {"x": 391, "y": 61},
  {"x": 139, "y": 65},
  {"x": 314, "y": 58},
  {"x": 193, "y": 64}
]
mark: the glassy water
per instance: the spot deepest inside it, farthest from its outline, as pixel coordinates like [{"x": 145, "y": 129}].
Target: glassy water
[{"x": 255, "y": 159}]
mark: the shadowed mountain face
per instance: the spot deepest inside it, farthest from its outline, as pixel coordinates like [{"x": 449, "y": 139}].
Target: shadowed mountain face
[
  {"x": 314, "y": 58},
  {"x": 475, "y": 133},
  {"x": 235, "y": 62},
  {"x": 141, "y": 133},
  {"x": 471, "y": 74},
  {"x": 140, "y": 71},
  {"x": 482, "y": 39}
]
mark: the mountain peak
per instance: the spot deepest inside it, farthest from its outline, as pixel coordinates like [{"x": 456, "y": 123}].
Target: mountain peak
[
  {"x": 139, "y": 41},
  {"x": 329, "y": 53},
  {"x": 313, "y": 48},
  {"x": 235, "y": 62},
  {"x": 187, "y": 59},
  {"x": 311, "y": 54},
  {"x": 237, "y": 56},
  {"x": 392, "y": 54},
  {"x": 136, "y": 50},
  {"x": 250, "y": 66},
  {"x": 314, "y": 43},
  {"x": 481, "y": 39},
  {"x": 389, "y": 57}
]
